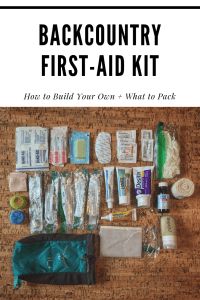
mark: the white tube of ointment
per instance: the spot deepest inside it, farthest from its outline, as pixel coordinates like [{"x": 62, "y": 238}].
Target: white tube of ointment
[
  {"x": 123, "y": 183},
  {"x": 142, "y": 177},
  {"x": 109, "y": 184}
]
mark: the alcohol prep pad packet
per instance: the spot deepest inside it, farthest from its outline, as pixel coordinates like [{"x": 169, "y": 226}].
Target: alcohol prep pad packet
[{"x": 126, "y": 146}]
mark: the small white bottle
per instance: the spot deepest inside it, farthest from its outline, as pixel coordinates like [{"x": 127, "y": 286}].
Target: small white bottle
[{"x": 168, "y": 232}]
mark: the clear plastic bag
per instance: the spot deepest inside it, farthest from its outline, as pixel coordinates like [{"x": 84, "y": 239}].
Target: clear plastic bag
[
  {"x": 94, "y": 199},
  {"x": 151, "y": 241},
  {"x": 36, "y": 203},
  {"x": 68, "y": 199},
  {"x": 167, "y": 151},
  {"x": 51, "y": 204},
  {"x": 81, "y": 184}
]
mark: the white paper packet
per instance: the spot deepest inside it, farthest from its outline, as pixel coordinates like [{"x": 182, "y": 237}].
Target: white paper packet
[
  {"x": 31, "y": 149},
  {"x": 126, "y": 146}
]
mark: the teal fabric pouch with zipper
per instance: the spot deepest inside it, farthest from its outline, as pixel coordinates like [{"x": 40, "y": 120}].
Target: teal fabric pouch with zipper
[{"x": 55, "y": 259}]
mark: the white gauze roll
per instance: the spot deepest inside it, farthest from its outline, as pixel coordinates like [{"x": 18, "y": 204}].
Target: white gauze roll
[{"x": 182, "y": 188}]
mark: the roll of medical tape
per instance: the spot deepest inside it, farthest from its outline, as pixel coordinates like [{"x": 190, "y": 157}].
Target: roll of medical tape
[
  {"x": 17, "y": 217},
  {"x": 18, "y": 202}
]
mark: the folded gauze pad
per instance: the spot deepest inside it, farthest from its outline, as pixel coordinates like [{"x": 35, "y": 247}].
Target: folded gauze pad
[
  {"x": 103, "y": 147},
  {"x": 120, "y": 241}
]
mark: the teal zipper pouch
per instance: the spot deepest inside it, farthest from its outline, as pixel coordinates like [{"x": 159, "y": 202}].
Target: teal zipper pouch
[{"x": 55, "y": 259}]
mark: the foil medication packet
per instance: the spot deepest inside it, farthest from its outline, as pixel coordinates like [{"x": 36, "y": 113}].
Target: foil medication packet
[{"x": 31, "y": 149}]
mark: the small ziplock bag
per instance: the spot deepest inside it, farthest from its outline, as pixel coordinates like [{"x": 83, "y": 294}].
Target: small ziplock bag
[
  {"x": 54, "y": 259},
  {"x": 151, "y": 241}
]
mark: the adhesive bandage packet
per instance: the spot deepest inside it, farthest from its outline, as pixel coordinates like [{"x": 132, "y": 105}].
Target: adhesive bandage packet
[
  {"x": 126, "y": 146},
  {"x": 58, "y": 146},
  {"x": 31, "y": 149},
  {"x": 80, "y": 147}
]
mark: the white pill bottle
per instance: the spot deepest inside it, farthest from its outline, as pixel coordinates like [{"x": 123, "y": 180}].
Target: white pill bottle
[{"x": 168, "y": 232}]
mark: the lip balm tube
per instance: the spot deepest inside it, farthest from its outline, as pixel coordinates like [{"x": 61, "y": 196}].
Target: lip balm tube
[
  {"x": 123, "y": 183},
  {"x": 168, "y": 232},
  {"x": 142, "y": 177},
  {"x": 109, "y": 184}
]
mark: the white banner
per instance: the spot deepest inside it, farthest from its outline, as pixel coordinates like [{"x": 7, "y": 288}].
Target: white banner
[{"x": 175, "y": 59}]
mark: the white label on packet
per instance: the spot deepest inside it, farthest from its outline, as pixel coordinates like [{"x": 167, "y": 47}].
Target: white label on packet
[
  {"x": 169, "y": 242},
  {"x": 31, "y": 148},
  {"x": 58, "y": 146},
  {"x": 126, "y": 146},
  {"x": 146, "y": 134},
  {"x": 143, "y": 200},
  {"x": 128, "y": 153},
  {"x": 126, "y": 134},
  {"x": 163, "y": 201},
  {"x": 147, "y": 150}
]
